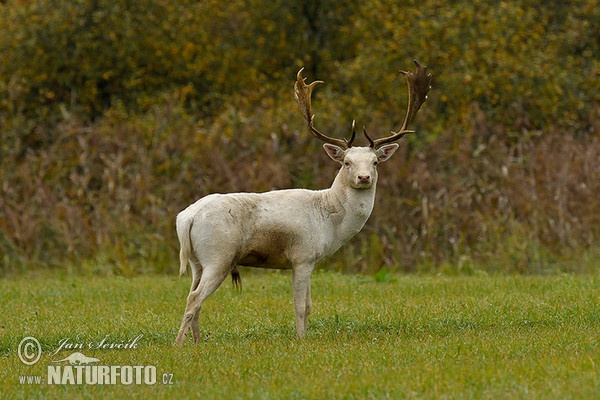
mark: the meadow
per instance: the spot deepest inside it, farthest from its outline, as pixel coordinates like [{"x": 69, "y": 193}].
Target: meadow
[{"x": 482, "y": 336}]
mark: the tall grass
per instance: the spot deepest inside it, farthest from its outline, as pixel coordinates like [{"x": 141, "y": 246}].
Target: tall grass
[
  {"x": 103, "y": 139},
  {"x": 107, "y": 194}
]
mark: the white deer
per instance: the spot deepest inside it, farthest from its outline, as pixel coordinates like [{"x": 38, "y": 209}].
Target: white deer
[{"x": 287, "y": 229}]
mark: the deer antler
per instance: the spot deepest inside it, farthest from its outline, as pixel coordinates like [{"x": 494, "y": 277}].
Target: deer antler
[
  {"x": 419, "y": 83},
  {"x": 302, "y": 93}
]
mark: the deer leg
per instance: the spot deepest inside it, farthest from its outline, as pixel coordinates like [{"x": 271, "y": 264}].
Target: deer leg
[
  {"x": 308, "y": 306},
  {"x": 196, "y": 274},
  {"x": 209, "y": 282},
  {"x": 302, "y": 303}
]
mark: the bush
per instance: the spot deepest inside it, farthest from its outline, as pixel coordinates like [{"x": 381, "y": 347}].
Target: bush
[{"x": 116, "y": 115}]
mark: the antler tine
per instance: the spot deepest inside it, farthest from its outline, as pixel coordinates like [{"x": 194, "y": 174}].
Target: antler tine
[
  {"x": 353, "y": 134},
  {"x": 302, "y": 93},
  {"x": 419, "y": 84},
  {"x": 371, "y": 143}
]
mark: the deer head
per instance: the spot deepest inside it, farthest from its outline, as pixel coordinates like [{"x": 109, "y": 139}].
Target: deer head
[{"x": 361, "y": 162}]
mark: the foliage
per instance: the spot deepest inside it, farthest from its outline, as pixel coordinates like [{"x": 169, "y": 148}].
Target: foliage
[
  {"x": 116, "y": 115},
  {"x": 524, "y": 64}
]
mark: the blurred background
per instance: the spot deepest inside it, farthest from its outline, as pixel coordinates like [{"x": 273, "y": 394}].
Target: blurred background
[{"x": 116, "y": 115}]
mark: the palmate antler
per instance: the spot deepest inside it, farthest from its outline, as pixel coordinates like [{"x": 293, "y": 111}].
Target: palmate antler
[
  {"x": 302, "y": 93},
  {"x": 419, "y": 84}
]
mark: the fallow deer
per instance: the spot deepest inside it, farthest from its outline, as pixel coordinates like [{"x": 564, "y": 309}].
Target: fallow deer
[{"x": 287, "y": 229}]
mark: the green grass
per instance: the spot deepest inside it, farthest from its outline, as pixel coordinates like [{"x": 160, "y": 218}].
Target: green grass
[{"x": 410, "y": 337}]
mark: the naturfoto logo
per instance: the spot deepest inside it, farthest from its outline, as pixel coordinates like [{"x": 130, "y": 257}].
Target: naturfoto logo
[
  {"x": 80, "y": 369},
  {"x": 79, "y": 372},
  {"x": 78, "y": 359}
]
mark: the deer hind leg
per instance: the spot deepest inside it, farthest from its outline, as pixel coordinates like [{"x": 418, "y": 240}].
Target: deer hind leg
[
  {"x": 196, "y": 273},
  {"x": 211, "y": 279},
  {"x": 302, "y": 300},
  {"x": 196, "y": 276}
]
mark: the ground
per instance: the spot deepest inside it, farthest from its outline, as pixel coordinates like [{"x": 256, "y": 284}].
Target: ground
[{"x": 413, "y": 336}]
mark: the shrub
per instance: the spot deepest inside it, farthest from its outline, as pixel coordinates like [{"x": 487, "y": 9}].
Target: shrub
[{"x": 116, "y": 115}]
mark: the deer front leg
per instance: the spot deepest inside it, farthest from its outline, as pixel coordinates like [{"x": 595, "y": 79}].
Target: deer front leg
[
  {"x": 308, "y": 306},
  {"x": 302, "y": 301}
]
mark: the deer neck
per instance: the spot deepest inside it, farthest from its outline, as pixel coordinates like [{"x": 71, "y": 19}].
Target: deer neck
[{"x": 347, "y": 207}]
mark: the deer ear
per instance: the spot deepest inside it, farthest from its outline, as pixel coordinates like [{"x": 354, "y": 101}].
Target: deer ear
[
  {"x": 336, "y": 153},
  {"x": 385, "y": 152}
]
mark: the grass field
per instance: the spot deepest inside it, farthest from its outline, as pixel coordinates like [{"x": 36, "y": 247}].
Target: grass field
[{"x": 424, "y": 337}]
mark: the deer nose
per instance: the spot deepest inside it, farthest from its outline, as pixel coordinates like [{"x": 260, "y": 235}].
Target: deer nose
[{"x": 364, "y": 178}]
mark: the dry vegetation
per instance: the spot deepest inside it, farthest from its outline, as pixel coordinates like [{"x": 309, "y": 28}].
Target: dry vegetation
[{"x": 106, "y": 136}]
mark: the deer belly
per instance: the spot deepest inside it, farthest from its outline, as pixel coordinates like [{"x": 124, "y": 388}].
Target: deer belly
[{"x": 266, "y": 250}]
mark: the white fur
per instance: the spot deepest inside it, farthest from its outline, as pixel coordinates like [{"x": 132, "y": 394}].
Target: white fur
[{"x": 284, "y": 229}]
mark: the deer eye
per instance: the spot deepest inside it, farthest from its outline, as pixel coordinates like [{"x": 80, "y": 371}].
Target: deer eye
[
  {"x": 346, "y": 163},
  {"x": 375, "y": 163}
]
